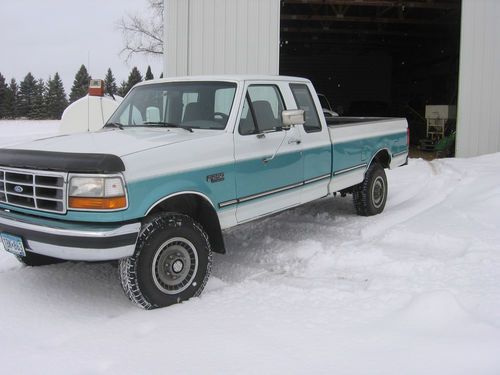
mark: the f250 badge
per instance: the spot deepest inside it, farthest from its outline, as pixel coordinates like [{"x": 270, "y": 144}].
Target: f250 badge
[{"x": 218, "y": 177}]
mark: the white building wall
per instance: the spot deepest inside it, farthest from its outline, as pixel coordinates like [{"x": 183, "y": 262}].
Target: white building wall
[
  {"x": 222, "y": 37},
  {"x": 478, "y": 127}
]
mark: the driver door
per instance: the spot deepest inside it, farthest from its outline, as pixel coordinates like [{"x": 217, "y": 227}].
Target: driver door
[{"x": 269, "y": 166}]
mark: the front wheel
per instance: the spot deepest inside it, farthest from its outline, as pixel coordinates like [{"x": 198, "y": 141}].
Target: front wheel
[
  {"x": 172, "y": 262},
  {"x": 371, "y": 195}
]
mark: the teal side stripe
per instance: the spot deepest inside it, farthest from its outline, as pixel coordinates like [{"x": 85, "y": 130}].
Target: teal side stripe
[
  {"x": 145, "y": 193},
  {"x": 254, "y": 176},
  {"x": 352, "y": 153},
  {"x": 317, "y": 161},
  {"x": 279, "y": 190}
]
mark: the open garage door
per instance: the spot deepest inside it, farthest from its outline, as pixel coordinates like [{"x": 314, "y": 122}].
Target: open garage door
[{"x": 375, "y": 57}]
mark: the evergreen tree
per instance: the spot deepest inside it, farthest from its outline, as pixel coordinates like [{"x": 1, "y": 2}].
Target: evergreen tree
[
  {"x": 27, "y": 91},
  {"x": 55, "y": 100},
  {"x": 110, "y": 84},
  {"x": 80, "y": 85},
  {"x": 149, "y": 74},
  {"x": 134, "y": 78},
  {"x": 11, "y": 97},
  {"x": 122, "y": 90},
  {"x": 38, "y": 109},
  {"x": 3, "y": 94}
]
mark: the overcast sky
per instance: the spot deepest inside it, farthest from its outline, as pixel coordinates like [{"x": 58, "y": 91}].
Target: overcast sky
[{"x": 48, "y": 36}]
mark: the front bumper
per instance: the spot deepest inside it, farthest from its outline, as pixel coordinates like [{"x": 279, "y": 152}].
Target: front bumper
[{"x": 70, "y": 240}]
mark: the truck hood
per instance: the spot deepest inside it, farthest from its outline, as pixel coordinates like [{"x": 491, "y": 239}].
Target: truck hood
[{"x": 114, "y": 141}]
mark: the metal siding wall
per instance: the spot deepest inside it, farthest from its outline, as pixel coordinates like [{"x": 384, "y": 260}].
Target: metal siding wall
[
  {"x": 241, "y": 35},
  {"x": 478, "y": 128},
  {"x": 222, "y": 37},
  {"x": 176, "y": 34},
  {"x": 230, "y": 40},
  {"x": 196, "y": 52}
]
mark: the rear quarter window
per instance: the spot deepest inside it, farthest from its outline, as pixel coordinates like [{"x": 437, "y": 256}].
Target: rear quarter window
[{"x": 305, "y": 101}]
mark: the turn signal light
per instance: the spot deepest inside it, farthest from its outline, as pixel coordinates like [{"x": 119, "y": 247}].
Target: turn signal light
[{"x": 85, "y": 203}]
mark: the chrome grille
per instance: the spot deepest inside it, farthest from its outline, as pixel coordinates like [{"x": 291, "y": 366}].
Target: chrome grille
[{"x": 38, "y": 190}]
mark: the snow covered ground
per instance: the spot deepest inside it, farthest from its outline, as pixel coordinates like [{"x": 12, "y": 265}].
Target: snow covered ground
[
  {"x": 315, "y": 290},
  {"x": 12, "y": 132}
]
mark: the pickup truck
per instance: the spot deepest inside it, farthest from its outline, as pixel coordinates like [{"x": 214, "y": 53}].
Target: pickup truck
[{"x": 180, "y": 161}]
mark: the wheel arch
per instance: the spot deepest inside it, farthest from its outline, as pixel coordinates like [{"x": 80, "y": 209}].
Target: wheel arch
[
  {"x": 200, "y": 208},
  {"x": 383, "y": 157}
]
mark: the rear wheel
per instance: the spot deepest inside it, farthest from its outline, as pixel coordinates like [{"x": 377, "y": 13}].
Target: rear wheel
[
  {"x": 35, "y": 260},
  {"x": 172, "y": 262},
  {"x": 371, "y": 195}
]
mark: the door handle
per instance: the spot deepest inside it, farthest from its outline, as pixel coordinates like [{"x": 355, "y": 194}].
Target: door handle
[
  {"x": 267, "y": 159},
  {"x": 296, "y": 141}
]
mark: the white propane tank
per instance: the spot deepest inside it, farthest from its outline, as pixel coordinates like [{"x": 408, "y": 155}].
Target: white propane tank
[{"x": 91, "y": 112}]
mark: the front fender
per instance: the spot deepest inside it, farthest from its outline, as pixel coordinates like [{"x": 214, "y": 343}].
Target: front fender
[{"x": 145, "y": 194}]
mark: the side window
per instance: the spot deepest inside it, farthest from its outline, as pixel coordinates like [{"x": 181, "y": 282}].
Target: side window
[
  {"x": 304, "y": 100},
  {"x": 269, "y": 94},
  {"x": 247, "y": 123},
  {"x": 261, "y": 110}
]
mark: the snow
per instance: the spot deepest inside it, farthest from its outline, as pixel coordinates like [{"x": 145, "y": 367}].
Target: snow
[{"x": 415, "y": 290}]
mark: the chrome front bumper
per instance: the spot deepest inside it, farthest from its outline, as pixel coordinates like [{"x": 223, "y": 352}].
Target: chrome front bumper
[{"x": 72, "y": 241}]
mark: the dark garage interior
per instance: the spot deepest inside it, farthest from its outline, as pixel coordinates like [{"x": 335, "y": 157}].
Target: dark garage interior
[{"x": 375, "y": 57}]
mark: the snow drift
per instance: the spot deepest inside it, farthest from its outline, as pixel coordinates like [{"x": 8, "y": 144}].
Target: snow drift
[{"x": 415, "y": 290}]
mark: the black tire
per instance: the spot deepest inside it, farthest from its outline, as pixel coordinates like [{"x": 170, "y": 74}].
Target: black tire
[
  {"x": 35, "y": 260},
  {"x": 370, "y": 196},
  {"x": 171, "y": 264}
]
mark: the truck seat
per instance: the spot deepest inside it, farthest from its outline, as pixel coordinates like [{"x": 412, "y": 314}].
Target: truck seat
[
  {"x": 265, "y": 115},
  {"x": 194, "y": 112}
]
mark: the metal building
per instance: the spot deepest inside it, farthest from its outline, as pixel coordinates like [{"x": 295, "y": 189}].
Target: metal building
[
  {"x": 478, "y": 127},
  {"x": 361, "y": 52},
  {"x": 222, "y": 37}
]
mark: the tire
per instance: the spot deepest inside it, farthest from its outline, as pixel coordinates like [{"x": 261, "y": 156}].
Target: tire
[
  {"x": 35, "y": 260},
  {"x": 171, "y": 264},
  {"x": 371, "y": 195}
]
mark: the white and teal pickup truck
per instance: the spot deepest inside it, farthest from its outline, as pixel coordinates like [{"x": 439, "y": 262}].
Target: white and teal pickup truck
[{"x": 180, "y": 161}]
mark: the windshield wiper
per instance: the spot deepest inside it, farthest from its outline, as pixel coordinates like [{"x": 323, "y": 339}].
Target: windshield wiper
[
  {"x": 114, "y": 125},
  {"x": 169, "y": 125}
]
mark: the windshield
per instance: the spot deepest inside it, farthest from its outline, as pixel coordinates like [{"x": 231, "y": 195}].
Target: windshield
[{"x": 190, "y": 105}]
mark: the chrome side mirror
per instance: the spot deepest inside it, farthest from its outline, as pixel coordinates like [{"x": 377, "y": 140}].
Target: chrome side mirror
[{"x": 293, "y": 117}]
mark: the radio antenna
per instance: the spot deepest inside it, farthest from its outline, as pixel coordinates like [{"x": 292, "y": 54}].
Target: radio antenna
[{"x": 88, "y": 96}]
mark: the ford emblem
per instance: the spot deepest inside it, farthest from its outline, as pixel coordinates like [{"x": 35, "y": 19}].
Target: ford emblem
[{"x": 18, "y": 189}]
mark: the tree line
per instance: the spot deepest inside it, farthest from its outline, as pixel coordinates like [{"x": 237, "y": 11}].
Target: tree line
[{"x": 38, "y": 99}]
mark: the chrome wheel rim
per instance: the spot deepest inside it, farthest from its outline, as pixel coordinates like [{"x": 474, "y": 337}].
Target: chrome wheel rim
[
  {"x": 175, "y": 265},
  {"x": 378, "y": 192}
]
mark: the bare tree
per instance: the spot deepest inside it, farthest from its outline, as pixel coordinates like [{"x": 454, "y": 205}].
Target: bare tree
[{"x": 143, "y": 34}]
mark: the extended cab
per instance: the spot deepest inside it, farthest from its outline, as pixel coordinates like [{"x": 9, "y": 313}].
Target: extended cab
[{"x": 180, "y": 161}]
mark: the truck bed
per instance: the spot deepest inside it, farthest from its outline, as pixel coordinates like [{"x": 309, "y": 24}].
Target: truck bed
[
  {"x": 338, "y": 121},
  {"x": 356, "y": 140},
  {"x": 347, "y": 129}
]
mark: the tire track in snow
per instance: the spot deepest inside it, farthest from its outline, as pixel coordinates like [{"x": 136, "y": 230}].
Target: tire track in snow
[{"x": 432, "y": 192}]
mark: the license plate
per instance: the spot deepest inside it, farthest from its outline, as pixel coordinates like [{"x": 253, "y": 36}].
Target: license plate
[{"x": 13, "y": 244}]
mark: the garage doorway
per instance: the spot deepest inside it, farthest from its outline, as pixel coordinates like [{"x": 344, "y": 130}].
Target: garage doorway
[{"x": 375, "y": 57}]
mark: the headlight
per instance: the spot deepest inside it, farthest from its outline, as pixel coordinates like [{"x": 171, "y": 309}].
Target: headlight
[{"x": 96, "y": 193}]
